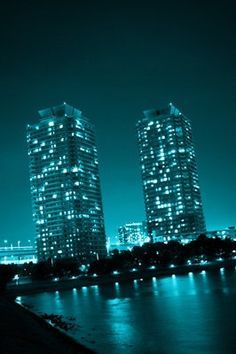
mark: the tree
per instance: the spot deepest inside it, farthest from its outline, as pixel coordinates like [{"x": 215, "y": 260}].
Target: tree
[{"x": 7, "y": 273}]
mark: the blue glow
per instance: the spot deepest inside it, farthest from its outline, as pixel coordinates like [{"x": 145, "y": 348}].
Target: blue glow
[
  {"x": 19, "y": 299},
  {"x": 75, "y": 291},
  {"x": 154, "y": 285},
  {"x": 135, "y": 283},
  {"x": 117, "y": 287}
]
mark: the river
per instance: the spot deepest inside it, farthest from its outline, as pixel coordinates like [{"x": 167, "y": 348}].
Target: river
[{"x": 184, "y": 314}]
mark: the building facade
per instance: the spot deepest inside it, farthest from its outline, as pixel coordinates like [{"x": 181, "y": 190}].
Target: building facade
[
  {"x": 169, "y": 173},
  {"x": 65, "y": 185},
  {"x": 17, "y": 254},
  {"x": 134, "y": 233},
  {"x": 230, "y": 232}
]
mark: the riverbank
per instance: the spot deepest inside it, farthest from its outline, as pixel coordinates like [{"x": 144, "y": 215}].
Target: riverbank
[
  {"x": 23, "y": 332},
  {"x": 45, "y": 286}
]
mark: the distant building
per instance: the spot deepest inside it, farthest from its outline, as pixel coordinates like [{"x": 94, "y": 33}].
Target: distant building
[
  {"x": 169, "y": 173},
  {"x": 17, "y": 254},
  {"x": 65, "y": 185},
  {"x": 229, "y": 232},
  {"x": 133, "y": 233}
]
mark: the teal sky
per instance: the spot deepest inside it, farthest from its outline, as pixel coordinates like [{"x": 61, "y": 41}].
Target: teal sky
[{"x": 113, "y": 60}]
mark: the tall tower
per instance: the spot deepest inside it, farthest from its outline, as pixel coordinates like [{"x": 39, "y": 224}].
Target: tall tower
[
  {"x": 65, "y": 185},
  {"x": 169, "y": 173}
]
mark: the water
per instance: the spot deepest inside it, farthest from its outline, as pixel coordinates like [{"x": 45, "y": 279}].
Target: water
[{"x": 189, "y": 314}]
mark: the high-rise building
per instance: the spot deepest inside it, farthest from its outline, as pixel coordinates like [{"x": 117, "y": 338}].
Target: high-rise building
[
  {"x": 169, "y": 173},
  {"x": 65, "y": 185},
  {"x": 133, "y": 233}
]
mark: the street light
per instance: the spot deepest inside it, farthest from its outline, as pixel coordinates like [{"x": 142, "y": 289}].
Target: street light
[{"x": 5, "y": 242}]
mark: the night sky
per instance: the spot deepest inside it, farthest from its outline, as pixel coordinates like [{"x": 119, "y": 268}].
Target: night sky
[{"x": 112, "y": 60}]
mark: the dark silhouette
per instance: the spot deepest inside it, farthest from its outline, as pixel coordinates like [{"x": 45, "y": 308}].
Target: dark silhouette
[
  {"x": 164, "y": 254},
  {"x": 7, "y": 273}
]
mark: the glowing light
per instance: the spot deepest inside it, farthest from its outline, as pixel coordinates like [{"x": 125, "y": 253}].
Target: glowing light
[
  {"x": 134, "y": 270},
  {"x": 19, "y": 299}
]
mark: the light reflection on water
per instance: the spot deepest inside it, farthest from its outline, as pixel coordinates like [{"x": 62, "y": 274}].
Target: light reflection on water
[{"x": 177, "y": 314}]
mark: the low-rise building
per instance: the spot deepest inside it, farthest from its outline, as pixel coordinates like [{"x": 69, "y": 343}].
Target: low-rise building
[
  {"x": 17, "y": 254},
  {"x": 229, "y": 232},
  {"x": 133, "y": 233}
]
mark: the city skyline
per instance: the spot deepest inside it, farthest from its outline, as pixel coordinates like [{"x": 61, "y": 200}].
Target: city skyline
[
  {"x": 127, "y": 220},
  {"x": 114, "y": 62}
]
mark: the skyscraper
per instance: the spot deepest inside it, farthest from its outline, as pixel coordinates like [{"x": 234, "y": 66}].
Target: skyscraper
[
  {"x": 169, "y": 173},
  {"x": 65, "y": 185}
]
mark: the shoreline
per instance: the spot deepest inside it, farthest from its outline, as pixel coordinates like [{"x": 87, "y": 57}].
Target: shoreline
[
  {"x": 23, "y": 331},
  {"x": 60, "y": 285}
]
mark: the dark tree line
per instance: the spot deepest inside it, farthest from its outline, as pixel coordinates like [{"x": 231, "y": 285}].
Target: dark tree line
[
  {"x": 7, "y": 273},
  {"x": 163, "y": 255},
  {"x": 65, "y": 267},
  {"x": 44, "y": 270},
  {"x": 158, "y": 254}
]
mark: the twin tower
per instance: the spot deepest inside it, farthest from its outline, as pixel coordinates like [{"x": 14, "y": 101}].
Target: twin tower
[{"x": 65, "y": 184}]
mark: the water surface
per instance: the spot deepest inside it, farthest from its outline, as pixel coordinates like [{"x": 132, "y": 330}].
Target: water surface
[{"x": 189, "y": 314}]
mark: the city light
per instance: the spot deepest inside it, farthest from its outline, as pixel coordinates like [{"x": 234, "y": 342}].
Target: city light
[{"x": 59, "y": 210}]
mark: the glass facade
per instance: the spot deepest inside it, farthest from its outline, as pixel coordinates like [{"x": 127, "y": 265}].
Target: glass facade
[
  {"x": 169, "y": 173},
  {"x": 65, "y": 185}
]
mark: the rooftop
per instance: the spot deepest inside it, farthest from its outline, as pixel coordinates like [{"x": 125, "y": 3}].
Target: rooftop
[
  {"x": 59, "y": 111},
  {"x": 169, "y": 110}
]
